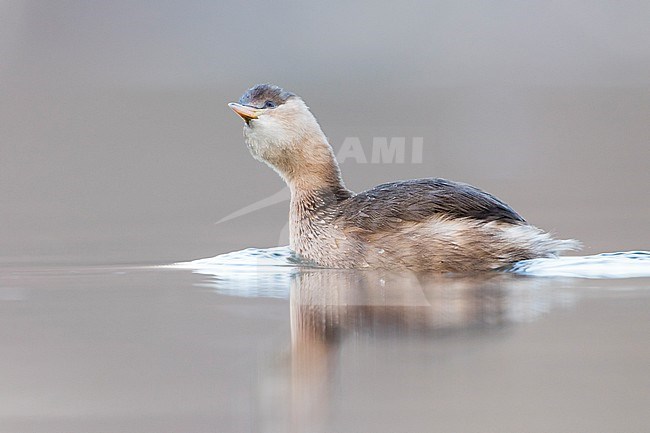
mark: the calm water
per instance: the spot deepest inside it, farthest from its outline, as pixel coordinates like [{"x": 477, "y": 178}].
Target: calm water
[
  {"x": 238, "y": 344},
  {"x": 117, "y": 146}
]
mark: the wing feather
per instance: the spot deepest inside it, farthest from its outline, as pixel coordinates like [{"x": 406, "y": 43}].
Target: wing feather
[{"x": 417, "y": 200}]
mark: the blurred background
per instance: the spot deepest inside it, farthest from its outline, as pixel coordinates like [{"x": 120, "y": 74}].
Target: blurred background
[{"x": 116, "y": 144}]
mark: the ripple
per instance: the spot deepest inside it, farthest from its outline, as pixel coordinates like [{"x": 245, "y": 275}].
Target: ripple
[
  {"x": 624, "y": 264},
  {"x": 261, "y": 264},
  {"x": 253, "y": 272},
  {"x": 250, "y": 257}
]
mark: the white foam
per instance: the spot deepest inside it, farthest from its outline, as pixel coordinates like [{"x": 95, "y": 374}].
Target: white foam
[
  {"x": 629, "y": 264},
  {"x": 250, "y": 257},
  {"x": 282, "y": 261},
  {"x": 253, "y": 272}
]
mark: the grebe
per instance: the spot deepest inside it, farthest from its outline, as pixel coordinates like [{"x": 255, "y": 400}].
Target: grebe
[{"x": 424, "y": 224}]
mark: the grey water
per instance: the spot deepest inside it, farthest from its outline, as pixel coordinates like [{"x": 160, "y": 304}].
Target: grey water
[
  {"x": 117, "y": 147},
  {"x": 254, "y": 341}
]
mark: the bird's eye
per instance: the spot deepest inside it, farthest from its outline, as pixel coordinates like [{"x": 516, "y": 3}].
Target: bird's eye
[{"x": 269, "y": 104}]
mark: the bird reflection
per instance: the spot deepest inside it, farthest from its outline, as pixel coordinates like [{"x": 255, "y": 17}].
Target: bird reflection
[
  {"x": 327, "y": 304},
  {"x": 335, "y": 309},
  {"x": 329, "y": 307}
]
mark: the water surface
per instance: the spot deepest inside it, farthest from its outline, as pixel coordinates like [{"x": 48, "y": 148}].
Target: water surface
[{"x": 294, "y": 349}]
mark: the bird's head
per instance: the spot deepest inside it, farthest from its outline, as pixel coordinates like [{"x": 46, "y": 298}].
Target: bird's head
[{"x": 280, "y": 130}]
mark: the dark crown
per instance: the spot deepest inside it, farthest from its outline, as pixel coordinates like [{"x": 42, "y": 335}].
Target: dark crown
[{"x": 257, "y": 96}]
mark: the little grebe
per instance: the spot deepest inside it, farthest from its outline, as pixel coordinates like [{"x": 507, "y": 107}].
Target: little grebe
[{"x": 424, "y": 224}]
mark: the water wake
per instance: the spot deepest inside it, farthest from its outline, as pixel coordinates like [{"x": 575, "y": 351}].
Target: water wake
[
  {"x": 626, "y": 264},
  {"x": 270, "y": 263},
  {"x": 253, "y": 272}
]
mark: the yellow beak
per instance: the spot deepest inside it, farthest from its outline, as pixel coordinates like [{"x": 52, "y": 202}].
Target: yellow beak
[{"x": 245, "y": 112}]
